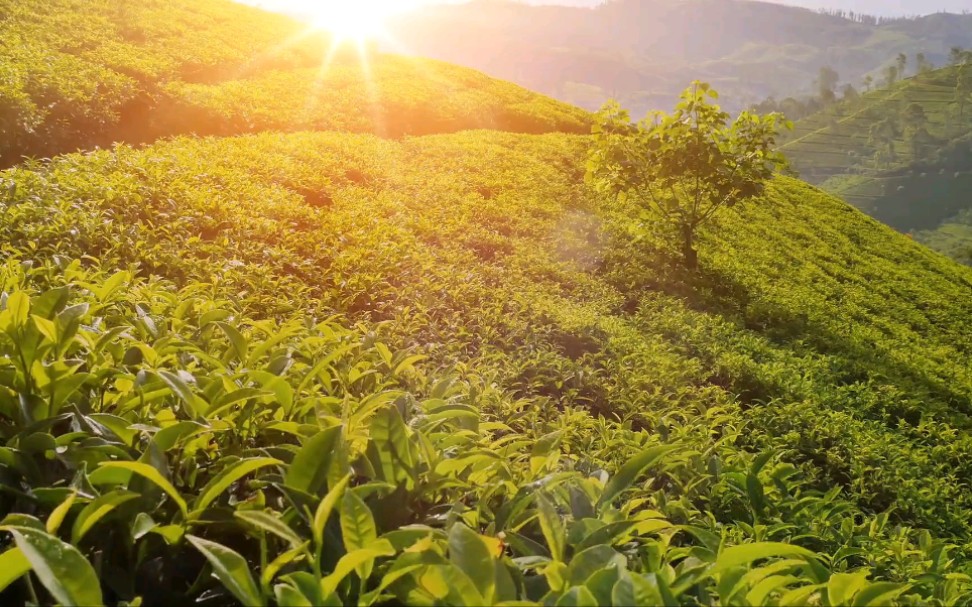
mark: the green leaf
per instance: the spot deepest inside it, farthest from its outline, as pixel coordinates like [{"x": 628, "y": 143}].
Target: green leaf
[
  {"x": 149, "y": 473},
  {"x": 299, "y": 590},
  {"x": 391, "y": 451},
  {"x": 282, "y": 391},
  {"x": 588, "y": 562},
  {"x": 271, "y": 523},
  {"x": 63, "y": 571},
  {"x": 552, "y": 527},
  {"x": 308, "y": 471},
  {"x": 578, "y": 596},
  {"x": 629, "y": 472},
  {"x": 325, "y": 508},
  {"x": 878, "y": 594},
  {"x": 168, "y": 437},
  {"x": 289, "y": 596},
  {"x": 13, "y": 566},
  {"x": 745, "y": 554},
  {"x": 357, "y": 522},
  {"x": 471, "y": 555},
  {"x": 754, "y": 487},
  {"x": 282, "y": 561},
  {"x": 231, "y": 569},
  {"x": 236, "y": 338},
  {"x": 352, "y": 561},
  {"x": 222, "y": 481},
  {"x": 19, "y": 306},
  {"x": 633, "y": 589},
  {"x": 842, "y": 586},
  {"x": 45, "y": 327},
  {"x": 57, "y": 516},
  {"x": 197, "y": 406},
  {"x": 97, "y": 510}
]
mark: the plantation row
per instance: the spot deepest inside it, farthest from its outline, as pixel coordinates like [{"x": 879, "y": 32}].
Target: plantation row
[
  {"x": 841, "y": 139},
  {"x": 75, "y": 79},
  {"x": 439, "y": 371}
]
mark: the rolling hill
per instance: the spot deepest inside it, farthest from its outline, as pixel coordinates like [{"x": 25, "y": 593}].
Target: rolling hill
[
  {"x": 644, "y": 52},
  {"x": 75, "y": 79},
  {"x": 901, "y": 154},
  {"x": 303, "y": 368}
]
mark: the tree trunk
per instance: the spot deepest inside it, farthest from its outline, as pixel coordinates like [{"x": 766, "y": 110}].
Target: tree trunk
[{"x": 689, "y": 255}]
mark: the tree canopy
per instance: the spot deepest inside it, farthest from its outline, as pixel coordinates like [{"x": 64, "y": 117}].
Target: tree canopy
[{"x": 682, "y": 168}]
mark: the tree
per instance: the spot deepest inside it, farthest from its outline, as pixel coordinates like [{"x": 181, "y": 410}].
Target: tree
[
  {"x": 882, "y": 135},
  {"x": 963, "y": 90},
  {"x": 902, "y": 64},
  {"x": 827, "y": 84},
  {"x": 890, "y": 75},
  {"x": 849, "y": 93},
  {"x": 868, "y": 83},
  {"x": 681, "y": 169},
  {"x": 916, "y": 129},
  {"x": 959, "y": 56},
  {"x": 924, "y": 65}
]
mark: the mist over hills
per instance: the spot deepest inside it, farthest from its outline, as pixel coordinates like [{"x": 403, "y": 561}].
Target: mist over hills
[
  {"x": 873, "y": 7},
  {"x": 644, "y": 51}
]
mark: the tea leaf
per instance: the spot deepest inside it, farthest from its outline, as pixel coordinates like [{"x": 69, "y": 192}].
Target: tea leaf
[{"x": 231, "y": 569}]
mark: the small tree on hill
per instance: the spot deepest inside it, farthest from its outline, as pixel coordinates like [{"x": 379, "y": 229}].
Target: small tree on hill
[
  {"x": 827, "y": 80},
  {"x": 963, "y": 90},
  {"x": 682, "y": 168},
  {"x": 902, "y": 64},
  {"x": 890, "y": 75},
  {"x": 916, "y": 129},
  {"x": 882, "y": 136}
]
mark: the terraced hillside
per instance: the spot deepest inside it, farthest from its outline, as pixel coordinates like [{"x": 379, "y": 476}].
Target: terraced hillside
[
  {"x": 79, "y": 75},
  {"x": 329, "y": 368},
  {"x": 901, "y": 154}
]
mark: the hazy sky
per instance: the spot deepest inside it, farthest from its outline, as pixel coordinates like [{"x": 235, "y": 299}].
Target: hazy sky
[{"x": 874, "y": 7}]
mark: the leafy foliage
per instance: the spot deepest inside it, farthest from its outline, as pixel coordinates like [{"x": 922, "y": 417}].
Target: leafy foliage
[
  {"x": 606, "y": 434},
  {"x": 684, "y": 167},
  {"x": 902, "y": 155},
  {"x": 326, "y": 369}
]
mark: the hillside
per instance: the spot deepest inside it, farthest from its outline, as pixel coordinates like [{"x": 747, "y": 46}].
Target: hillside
[
  {"x": 134, "y": 72},
  {"x": 334, "y": 368},
  {"x": 901, "y": 154},
  {"x": 644, "y": 52}
]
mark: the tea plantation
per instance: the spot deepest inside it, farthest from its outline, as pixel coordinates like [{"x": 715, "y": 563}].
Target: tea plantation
[
  {"x": 328, "y": 368},
  {"x": 75, "y": 74},
  {"x": 902, "y": 154}
]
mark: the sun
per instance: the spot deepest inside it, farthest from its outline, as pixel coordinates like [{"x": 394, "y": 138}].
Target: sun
[{"x": 354, "y": 20}]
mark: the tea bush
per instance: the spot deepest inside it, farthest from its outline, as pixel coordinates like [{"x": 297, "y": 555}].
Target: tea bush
[
  {"x": 332, "y": 368},
  {"x": 77, "y": 75},
  {"x": 437, "y": 371}
]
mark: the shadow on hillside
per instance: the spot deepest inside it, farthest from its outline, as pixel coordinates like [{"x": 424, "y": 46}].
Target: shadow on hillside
[
  {"x": 718, "y": 293},
  {"x": 862, "y": 362}
]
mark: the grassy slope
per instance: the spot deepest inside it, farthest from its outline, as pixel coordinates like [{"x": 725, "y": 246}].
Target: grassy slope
[
  {"x": 926, "y": 194},
  {"x": 808, "y": 311},
  {"x": 814, "y": 335},
  {"x": 80, "y": 75}
]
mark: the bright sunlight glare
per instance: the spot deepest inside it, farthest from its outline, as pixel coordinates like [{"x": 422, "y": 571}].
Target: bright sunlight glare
[{"x": 355, "y": 20}]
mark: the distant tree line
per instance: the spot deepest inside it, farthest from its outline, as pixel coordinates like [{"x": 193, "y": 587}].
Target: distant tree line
[
  {"x": 869, "y": 19},
  {"x": 896, "y": 123}
]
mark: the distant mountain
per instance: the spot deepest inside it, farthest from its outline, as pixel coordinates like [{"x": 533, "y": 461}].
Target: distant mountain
[
  {"x": 887, "y": 7},
  {"x": 645, "y": 51},
  {"x": 871, "y": 7}
]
